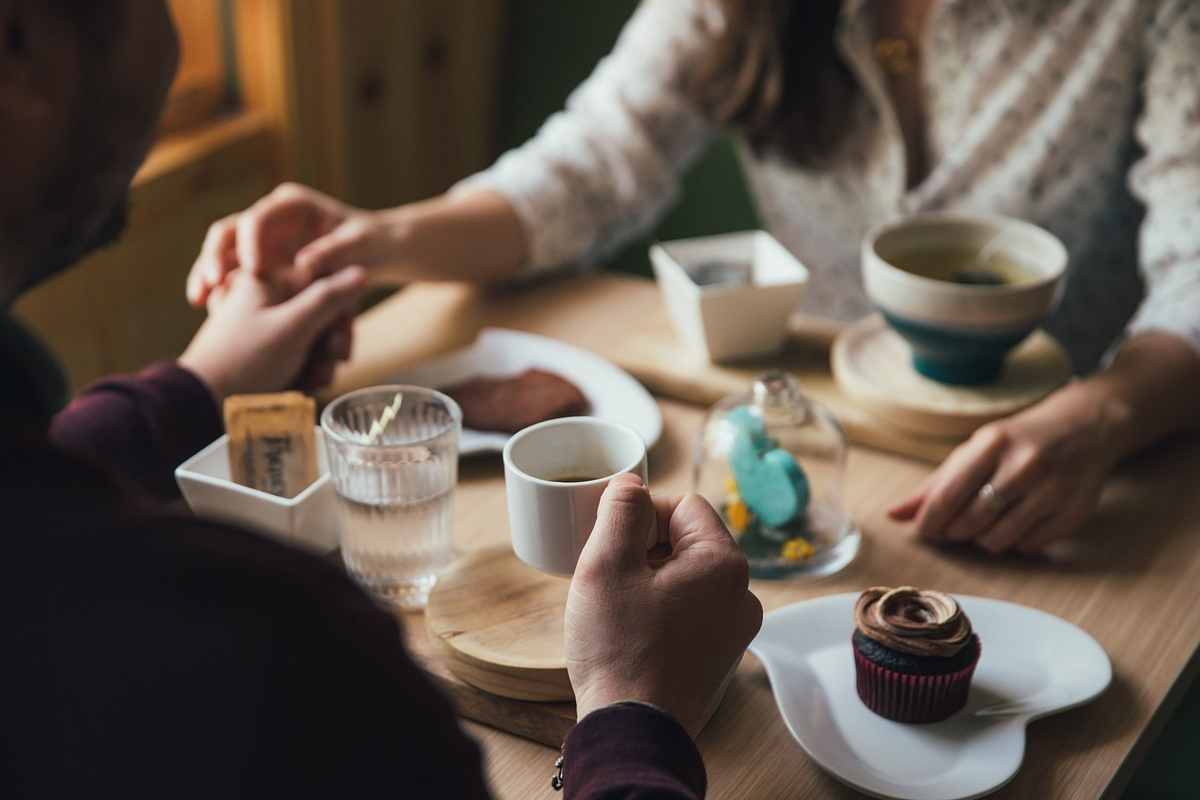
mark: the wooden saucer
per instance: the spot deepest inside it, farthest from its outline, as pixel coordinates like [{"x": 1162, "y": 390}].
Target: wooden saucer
[
  {"x": 873, "y": 366},
  {"x": 499, "y": 624}
]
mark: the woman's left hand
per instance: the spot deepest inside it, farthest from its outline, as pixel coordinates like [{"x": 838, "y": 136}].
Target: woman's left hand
[{"x": 1021, "y": 482}]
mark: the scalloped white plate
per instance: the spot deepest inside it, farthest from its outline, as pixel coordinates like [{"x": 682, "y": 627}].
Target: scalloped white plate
[
  {"x": 612, "y": 393},
  {"x": 1033, "y": 664}
]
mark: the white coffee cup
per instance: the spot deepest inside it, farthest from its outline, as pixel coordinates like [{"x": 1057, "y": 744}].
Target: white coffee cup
[{"x": 551, "y": 512}]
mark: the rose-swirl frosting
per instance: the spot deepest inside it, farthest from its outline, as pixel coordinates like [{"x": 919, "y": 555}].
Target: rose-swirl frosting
[{"x": 913, "y": 621}]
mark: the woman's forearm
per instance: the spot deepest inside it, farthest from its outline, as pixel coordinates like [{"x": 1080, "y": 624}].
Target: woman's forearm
[
  {"x": 1147, "y": 393},
  {"x": 472, "y": 237}
]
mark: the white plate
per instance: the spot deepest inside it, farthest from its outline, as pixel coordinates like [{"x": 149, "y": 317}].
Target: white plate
[
  {"x": 611, "y": 392},
  {"x": 1033, "y": 664}
]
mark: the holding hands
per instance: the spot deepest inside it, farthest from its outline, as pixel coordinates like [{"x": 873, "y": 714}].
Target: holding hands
[
  {"x": 263, "y": 336},
  {"x": 668, "y": 634},
  {"x": 311, "y": 255},
  {"x": 294, "y": 235}
]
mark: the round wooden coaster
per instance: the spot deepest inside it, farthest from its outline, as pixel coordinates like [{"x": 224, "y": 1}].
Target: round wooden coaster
[
  {"x": 499, "y": 624},
  {"x": 873, "y": 366}
]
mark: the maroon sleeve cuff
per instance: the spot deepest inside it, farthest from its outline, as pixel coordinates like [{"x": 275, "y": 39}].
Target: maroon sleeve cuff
[
  {"x": 630, "y": 751},
  {"x": 140, "y": 427}
]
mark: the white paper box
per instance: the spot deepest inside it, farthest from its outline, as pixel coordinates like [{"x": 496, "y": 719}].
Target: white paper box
[
  {"x": 730, "y": 322},
  {"x": 310, "y": 519}
]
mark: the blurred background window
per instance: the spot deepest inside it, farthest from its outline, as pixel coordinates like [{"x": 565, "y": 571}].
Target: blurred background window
[
  {"x": 205, "y": 85},
  {"x": 377, "y": 102}
]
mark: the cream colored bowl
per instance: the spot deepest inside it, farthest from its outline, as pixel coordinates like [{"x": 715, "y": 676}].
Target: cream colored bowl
[{"x": 960, "y": 334}]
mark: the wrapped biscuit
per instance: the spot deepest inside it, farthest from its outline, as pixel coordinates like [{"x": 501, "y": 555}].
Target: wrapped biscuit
[{"x": 272, "y": 446}]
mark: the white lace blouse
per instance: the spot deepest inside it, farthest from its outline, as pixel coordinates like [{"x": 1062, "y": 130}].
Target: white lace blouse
[{"x": 1080, "y": 115}]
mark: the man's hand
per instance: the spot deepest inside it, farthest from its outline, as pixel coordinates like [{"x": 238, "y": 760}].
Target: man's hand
[
  {"x": 263, "y": 337},
  {"x": 292, "y": 236},
  {"x": 668, "y": 634}
]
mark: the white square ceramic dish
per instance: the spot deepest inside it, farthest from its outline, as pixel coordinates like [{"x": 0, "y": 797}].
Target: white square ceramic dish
[
  {"x": 309, "y": 519},
  {"x": 727, "y": 322}
]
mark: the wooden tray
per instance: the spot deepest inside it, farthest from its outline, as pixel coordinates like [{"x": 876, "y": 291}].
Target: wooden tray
[{"x": 621, "y": 319}]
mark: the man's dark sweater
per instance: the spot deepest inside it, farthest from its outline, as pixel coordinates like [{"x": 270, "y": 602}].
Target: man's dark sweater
[{"x": 156, "y": 655}]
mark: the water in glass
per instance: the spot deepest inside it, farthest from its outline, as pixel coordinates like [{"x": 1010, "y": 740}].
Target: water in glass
[{"x": 397, "y": 493}]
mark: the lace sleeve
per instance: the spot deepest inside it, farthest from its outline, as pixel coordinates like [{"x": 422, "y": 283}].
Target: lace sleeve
[{"x": 607, "y": 167}]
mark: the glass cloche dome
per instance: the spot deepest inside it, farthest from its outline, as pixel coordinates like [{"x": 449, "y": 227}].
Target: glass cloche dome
[{"x": 772, "y": 463}]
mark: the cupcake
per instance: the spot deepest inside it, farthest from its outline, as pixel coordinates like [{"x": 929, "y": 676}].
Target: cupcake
[{"x": 914, "y": 653}]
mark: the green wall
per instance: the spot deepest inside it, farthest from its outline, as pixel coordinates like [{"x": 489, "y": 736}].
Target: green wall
[{"x": 552, "y": 46}]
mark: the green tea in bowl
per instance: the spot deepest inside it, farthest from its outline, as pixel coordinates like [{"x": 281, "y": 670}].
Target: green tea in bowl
[
  {"x": 962, "y": 290},
  {"x": 966, "y": 265}
]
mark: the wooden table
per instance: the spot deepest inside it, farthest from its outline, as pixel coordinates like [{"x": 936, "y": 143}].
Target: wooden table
[{"x": 1130, "y": 580}]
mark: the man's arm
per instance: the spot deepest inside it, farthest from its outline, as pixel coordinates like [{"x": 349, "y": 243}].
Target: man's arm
[
  {"x": 630, "y": 751},
  {"x": 140, "y": 427},
  {"x": 258, "y": 338}
]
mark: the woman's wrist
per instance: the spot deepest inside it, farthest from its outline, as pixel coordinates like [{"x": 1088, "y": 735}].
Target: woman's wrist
[
  {"x": 1099, "y": 405},
  {"x": 395, "y": 249},
  {"x": 470, "y": 237},
  {"x": 1144, "y": 394}
]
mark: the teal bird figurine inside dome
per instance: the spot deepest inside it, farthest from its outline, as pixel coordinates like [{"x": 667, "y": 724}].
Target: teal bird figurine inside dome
[{"x": 772, "y": 461}]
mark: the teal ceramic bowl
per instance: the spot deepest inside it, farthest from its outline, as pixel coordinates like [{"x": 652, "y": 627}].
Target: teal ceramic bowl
[{"x": 960, "y": 333}]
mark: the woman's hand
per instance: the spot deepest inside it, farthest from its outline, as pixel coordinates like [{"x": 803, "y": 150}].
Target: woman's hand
[
  {"x": 292, "y": 236},
  {"x": 296, "y": 235},
  {"x": 665, "y": 633},
  {"x": 1023, "y": 482},
  {"x": 263, "y": 337}
]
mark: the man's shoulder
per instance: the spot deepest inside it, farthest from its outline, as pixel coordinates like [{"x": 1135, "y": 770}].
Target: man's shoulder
[
  {"x": 200, "y": 555},
  {"x": 71, "y": 547}
]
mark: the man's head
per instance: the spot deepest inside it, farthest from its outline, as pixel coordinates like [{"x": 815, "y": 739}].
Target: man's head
[{"x": 82, "y": 83}]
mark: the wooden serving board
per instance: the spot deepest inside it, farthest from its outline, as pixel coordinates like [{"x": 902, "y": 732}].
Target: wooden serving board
[{"x": 621, "y": 319}]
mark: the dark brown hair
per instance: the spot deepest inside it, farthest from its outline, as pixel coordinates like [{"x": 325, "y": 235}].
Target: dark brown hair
[{"x": 775, "y": 76}]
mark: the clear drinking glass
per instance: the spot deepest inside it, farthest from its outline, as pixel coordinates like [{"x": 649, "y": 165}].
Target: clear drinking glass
[{"x": 396, "y": 494}]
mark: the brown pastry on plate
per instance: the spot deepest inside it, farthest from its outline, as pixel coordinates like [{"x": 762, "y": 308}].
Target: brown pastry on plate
[{"x": 511, "y": 403}]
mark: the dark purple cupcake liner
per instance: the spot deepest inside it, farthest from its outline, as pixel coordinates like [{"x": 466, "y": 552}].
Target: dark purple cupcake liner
[{"x": 913, "y": 698}]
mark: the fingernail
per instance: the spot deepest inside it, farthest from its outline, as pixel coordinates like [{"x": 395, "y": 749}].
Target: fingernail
[{"x": 353, "y": 275}]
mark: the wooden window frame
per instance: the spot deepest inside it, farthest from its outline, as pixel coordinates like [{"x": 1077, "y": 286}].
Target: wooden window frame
[
  {"x": 201, "y": 87},
  {"x": 376, "y": 103}
]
